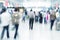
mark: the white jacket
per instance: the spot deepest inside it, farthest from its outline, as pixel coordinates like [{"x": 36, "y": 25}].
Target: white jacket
[
  {"x": 31, "y": 14},
  {"x": 5, "y": 19}
]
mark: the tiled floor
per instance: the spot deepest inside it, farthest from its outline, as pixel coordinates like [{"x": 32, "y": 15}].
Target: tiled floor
[{"x": 40, "y": 32}]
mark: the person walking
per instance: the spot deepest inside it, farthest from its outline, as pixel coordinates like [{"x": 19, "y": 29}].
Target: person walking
[
  {"x": 15, "y": 21},
  {"x": 31, "y": 19},
  {"x": 52, "y": 18},
  {"x": 5, "y": 21}
]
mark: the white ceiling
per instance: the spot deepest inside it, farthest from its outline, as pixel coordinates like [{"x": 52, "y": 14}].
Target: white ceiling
[{"x": 20, "y": 2}]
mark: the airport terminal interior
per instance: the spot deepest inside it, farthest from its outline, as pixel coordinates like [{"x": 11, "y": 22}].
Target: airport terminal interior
[{"x": 29, "y": 19}]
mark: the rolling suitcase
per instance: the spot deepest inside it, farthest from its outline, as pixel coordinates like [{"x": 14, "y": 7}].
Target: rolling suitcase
[{"x": 58, "y": 24}]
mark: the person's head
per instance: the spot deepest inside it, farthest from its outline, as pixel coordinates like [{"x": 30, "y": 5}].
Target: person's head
[
  {"x": 31, "y": 10},
  {"x": 48, "y": 12},
  {"x": 16, "y": 10}
]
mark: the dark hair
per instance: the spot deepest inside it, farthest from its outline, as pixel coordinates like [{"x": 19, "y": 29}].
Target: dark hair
[
  {"x": 16, "y": 9},
  {"x": 31, "y": 10}
]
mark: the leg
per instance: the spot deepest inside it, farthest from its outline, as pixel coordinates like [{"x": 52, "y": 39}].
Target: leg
[
  {"x": 7, "y": 28},
  {"x": 30, "y": 23},
  {"x": 51, "y": 25},
  {"x": 41, "y": 19},
  {"x": 52, "y": 22},
  {"x": 37, "y": 18},
  {"x": 16, "y": 26},
  {"x": 3, "y": 32}
]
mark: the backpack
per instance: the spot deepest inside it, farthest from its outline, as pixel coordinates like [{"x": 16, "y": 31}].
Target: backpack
[{"x": 15, "y": 18}]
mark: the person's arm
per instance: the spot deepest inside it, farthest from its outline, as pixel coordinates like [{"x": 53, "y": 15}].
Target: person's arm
[
  {"x": 1, "y": 25},
  {"x": 10, "y": 18}
]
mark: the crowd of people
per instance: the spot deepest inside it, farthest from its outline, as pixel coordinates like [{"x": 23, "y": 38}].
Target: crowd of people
[{"x": 33, "y": 16}]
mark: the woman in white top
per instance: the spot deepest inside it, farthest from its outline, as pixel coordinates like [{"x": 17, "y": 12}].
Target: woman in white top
[
  {"x": 5, "y": 20},
  {"x": 31, "y": 19}
]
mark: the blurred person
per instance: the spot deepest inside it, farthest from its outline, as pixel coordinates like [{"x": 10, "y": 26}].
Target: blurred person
[
  {"x": 5, "y": 21},
  {"x": 45, "y": 18},
  {"x": 23, "y": 17},
  {"x": 40, "y": 17},
  {"x": 25, "y": 12},
  {"x": 57, "y": 14},
  {"x": 52, "y": 18},
  {"x": 15, "y": 21},
  {"x": 48, "y": 16},
  {"x": 36, "y": 16},
  {"x": 31, "y": 19}
]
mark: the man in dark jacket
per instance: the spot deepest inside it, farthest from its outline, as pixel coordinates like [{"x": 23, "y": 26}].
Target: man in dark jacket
[{"x": 40, "y": 17}]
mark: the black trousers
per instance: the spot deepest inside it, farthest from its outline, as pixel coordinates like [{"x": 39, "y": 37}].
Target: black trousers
[
  {"x": 7, "y": 29},
  {"x": 31, "y": 21},
  {"x": 16, "y": 32},
  {"x": 40, "y": 19},
  {"x": 52, "y": 22}
]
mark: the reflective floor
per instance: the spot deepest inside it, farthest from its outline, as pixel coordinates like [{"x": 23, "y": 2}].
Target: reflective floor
[{"x": 40, "y": 32}]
